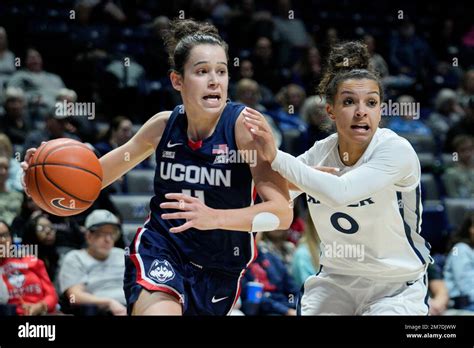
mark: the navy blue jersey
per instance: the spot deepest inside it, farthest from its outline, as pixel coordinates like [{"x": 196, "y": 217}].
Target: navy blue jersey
[{"x": 204, "y": 171}]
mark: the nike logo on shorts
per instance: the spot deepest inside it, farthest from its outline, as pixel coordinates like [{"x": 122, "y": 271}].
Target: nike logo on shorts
[{"x": 215, "y": 300}]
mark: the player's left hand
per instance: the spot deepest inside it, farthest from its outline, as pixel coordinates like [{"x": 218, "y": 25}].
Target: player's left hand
[{"x": 197, "y": 214}]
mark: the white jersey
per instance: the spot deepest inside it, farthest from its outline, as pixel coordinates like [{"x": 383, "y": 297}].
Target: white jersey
[{"x": 368, "y": 217}]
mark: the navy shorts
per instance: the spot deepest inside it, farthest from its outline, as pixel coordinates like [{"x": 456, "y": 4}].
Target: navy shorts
[{"x": 154, "y": 263}]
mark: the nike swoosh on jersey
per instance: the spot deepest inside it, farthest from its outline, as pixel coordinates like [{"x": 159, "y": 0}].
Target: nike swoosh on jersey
[
  {"x": 173, "y": 145},
  {"x": 215, "y": 300}
]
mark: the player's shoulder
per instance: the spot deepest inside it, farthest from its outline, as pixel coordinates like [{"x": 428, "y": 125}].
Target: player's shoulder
[
  {"x": 160, "y": 117},
  {"x": 388, "y": 139}
]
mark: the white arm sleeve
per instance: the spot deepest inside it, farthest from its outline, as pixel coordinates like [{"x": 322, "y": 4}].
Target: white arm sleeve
[
  {"x": 310, "y": 154},
  {"x": 393, "y": 163}
]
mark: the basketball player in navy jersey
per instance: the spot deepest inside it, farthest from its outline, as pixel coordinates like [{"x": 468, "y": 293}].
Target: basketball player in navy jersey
[{"x": 191, "y": 253}]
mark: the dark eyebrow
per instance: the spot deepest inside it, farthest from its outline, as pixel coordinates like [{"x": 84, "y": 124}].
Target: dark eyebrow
[
  {"x": 207, "y": 62},
  {"x": 350, "y": 92}
]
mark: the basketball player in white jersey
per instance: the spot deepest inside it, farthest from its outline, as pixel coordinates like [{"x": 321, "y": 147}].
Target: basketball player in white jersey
[{"x": 368, "y": 215}]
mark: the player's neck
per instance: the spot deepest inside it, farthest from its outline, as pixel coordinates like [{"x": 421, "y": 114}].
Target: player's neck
[
  {"x": 350, "y": 153},
  {"x": 201, "y": 127}
]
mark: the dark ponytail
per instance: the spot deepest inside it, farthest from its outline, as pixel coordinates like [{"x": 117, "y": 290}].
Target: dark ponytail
[
  {"x": 347, "y": 60},
  {"x": 184, "y": 35}
]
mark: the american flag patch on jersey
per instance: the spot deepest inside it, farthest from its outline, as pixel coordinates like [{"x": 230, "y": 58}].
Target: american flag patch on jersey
[{"x": 220, "y": 149}]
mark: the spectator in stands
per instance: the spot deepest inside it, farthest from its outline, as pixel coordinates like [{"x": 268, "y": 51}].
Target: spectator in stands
[
  {"x": 459, "y": 267},
  {"x": 56, "y": 125},
  {"x": 29, "y": 287},
  {"x": 291, "y": 98},
  {"x": 466, "y": 92},
  {"x": 95, "y": 275},
  {"x": 246, "y": 24},
  {"x": 41, "y": 87},
  {"x": 279, "y": 290},
  {"x": 464, "y": 126},
  {"x": 40, "y": 231},
  {"x": 438, "y": 292},
  {"x": 10, "y": 200},
  {"x": 410, "y": 54},
  {"x": 377, "y": 62},
  {"x": 15, "y": 172},
  {"x": 408, "y": 123},
  {"x": 155, "y": 51},
  {"x": 28, "y": 210},
  {"x": 313, "y": 113},
  {"x": 265, "y": 64},
  {"x": 290, "y": 30},
  {"x": 459, "y": 179},
  {"x": 306, "y": 256},
  {"x": 246, "y": 71},
  {"x": 247, "y": 92},
  {"x": 307, "y": 70},
  {"x": 119, "y": 132},
  {"x": 16, "y": 122},
  {"x": 7, "y": 60},
  {"x": 69, "y": 233},
  {"x": 447, "y": 113},
  {"x": 288, "y": 118},
  {"x": 446, "y": 40},
  {"x": 276, "y": 242},
  {"x": 78, "y": 124},
  {"x": 93, "y": 11}
]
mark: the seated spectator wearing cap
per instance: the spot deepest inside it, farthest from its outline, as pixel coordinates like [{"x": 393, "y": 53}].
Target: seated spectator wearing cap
[
  {"x": 27, "y": 281},
  {"x": 94, "y": 275}
]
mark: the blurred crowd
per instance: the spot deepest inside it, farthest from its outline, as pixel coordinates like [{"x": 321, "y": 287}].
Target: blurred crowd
[{"x": 109, "y": 54}]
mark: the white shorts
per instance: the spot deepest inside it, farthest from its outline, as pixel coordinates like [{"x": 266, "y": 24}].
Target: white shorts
[{"x": 335, "y": 294}]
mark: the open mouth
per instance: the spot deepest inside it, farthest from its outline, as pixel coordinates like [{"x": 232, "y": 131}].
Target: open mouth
[
  {"x": 360, "y": 126},
  {"x": 212, "y": 97}
]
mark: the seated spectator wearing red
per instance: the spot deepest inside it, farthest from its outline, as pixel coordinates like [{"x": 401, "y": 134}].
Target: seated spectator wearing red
[{"x": 26, "y": 278}]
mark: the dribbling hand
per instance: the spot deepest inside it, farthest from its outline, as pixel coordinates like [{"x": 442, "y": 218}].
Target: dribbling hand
[{"x": 25, "y": 164}]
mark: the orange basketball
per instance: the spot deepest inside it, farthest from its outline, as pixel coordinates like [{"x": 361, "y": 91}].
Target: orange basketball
[{"x": 64, "y": 177}]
